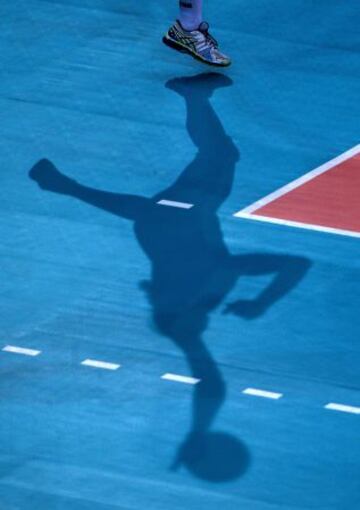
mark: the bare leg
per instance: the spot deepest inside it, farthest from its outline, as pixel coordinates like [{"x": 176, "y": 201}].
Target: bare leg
[{"x": 190, "y": 15}]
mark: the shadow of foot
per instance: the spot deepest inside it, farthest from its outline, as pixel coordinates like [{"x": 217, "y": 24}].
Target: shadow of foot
[{"x": 203, "y": 84}]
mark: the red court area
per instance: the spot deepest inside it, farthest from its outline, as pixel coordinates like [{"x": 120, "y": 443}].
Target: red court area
[{"x": 329, "y": 197}]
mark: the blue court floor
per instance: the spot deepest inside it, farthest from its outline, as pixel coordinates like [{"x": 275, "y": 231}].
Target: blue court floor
[{"x": 257, "y": 326}]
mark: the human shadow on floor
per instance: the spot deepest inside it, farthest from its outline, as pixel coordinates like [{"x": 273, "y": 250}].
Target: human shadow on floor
[{"x": 192, "y": 269}]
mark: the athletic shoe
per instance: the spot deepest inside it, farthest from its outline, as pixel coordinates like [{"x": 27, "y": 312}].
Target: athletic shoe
[{"x": 197, "y": 43}]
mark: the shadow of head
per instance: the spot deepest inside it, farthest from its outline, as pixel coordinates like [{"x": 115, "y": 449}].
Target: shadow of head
[{"x": 213, "y": 456}]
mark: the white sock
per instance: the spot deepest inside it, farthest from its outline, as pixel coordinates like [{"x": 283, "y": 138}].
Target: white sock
[{"x": 190, "y": 14}]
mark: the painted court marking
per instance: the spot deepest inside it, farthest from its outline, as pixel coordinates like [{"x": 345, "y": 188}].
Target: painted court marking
[
  {"x": 343, "y": 408},
  {"x": 172, "y": 203},
  {"x": 253, "y": 211},
  {"x": 100, "y": 364},
  {"x": 21, "y": 350},
  {"x": 298, "y": 224},
  {"x": 262, "y": 393},
  {"x": 180, "y": 378}
]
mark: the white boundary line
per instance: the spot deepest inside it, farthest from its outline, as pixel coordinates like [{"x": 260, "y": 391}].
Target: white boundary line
[
  {"x": 301, "y": 180},
  {"x": 298, "y": 224},
  {"x": 247, "y": 211}
]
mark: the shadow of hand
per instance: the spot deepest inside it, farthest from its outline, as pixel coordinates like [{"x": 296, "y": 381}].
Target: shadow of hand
[{"x": 49, "y": 178}]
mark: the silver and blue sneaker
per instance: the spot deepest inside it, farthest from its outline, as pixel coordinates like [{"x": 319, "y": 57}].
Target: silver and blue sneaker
[{"x": 198, "y": 43}]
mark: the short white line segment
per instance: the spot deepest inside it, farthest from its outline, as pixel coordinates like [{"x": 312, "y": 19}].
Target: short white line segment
[
  {"x": 100, "y": 364},
  {"x": 21, "y": 350},
  {"x": 343, "y": 408},
  {"x": 172, "y": 203},
  {"x": 180, "y": 378},
  {"x": 262, "y": 393}
]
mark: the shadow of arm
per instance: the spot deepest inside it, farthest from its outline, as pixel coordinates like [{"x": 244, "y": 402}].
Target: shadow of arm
[
  {"x": 288, "y": 272},
  {"x": 50, "y": 179}
]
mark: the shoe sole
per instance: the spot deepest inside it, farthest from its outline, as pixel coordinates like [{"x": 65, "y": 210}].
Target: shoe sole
[{"x": 175, "y": 45}]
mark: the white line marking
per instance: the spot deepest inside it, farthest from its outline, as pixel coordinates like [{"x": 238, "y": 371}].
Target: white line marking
[
  {"x": 180, "y": 378},
  {"x": 297, "y": 224},
  {"x": 172, "y": 203},
  {"x": 262, "y": 393},
  {"x": 100, "y": 364},
  {"x": 21, "y": 350},
  {"x": 343, "y": 408},
  {"x": 300, "y": 181}
]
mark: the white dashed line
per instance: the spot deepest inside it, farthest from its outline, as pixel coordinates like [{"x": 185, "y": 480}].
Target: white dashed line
[
  {"x": 262, "y": 393},
  {"x": 180, "y": 378},
  {"x": 172, "y": 203},
  {"x": 100, "y": 364},
  {"x": 343, "y": 408},
  {"x": 21, "y": 350}
]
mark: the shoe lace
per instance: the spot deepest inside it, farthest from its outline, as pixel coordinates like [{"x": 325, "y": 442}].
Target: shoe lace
[{"x": 204, "y": 29}]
